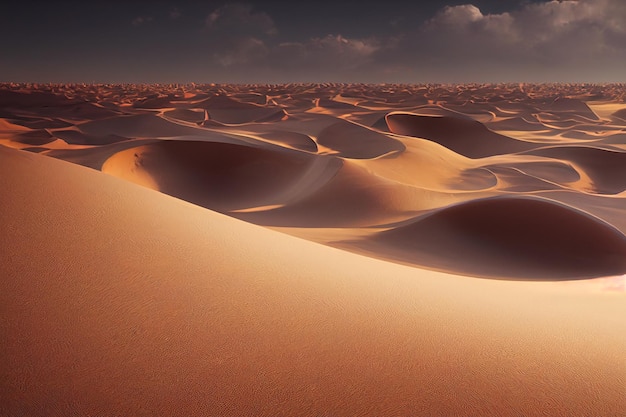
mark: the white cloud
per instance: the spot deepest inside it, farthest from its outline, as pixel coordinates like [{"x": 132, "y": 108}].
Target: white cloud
[
  {"x": 458, "y": 15},
  {"x": 240, "y": 18},
  {"x": 555, "y": 37},
  {"x": 568, "y": 40}
]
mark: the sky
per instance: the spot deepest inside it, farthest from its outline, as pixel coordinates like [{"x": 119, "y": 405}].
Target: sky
[{"x": 387, "y": 41}]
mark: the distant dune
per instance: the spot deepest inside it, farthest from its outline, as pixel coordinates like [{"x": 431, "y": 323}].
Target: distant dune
[{"x": 312, "y": 250}]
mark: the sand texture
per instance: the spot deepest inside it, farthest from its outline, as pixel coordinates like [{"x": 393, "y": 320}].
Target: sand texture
[{"x": 312, "y": 250}]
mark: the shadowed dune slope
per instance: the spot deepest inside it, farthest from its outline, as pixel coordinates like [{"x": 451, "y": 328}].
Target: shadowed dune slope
[
  {"x": 510, "y": 237},
  {"x": 573, "y": 106},
  {"x": 227, "y": 110},
  {"x": 517, "y": 124},
  {"x": 607, "y": 169},
  {"x": 41, "y": 104},
  {"x": 75, "y": 136},
  {"x": 7, "y": 126},
  {"x": 117, "y": 300},
  {"x": 137, "y": 126},
  {"x": 621, "y": 114},
  {"x": 186, "y": 115},
  {"x": 354, "y": 141},
  {"x": 34, "y": 137},
  {"x": 221, "y": 176},
  {"x": 464, "y": 136}
]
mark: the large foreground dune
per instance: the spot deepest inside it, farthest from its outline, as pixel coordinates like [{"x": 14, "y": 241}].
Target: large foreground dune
[{"x": 312, "y": 250}]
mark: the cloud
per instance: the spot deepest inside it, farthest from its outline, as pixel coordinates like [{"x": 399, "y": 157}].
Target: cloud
[
  {"x": 335, "y": 50},
  {"x": 237, "y": 18},
  {"x": 237, "y": 36},
  {"x": 568, "y": 40},
  {"x": 174, "y": 13},
  {"x": 557, "y": 39},
  {"x": 328, "y": 58},
  {"x": 241, "y": 52},
  {"x": 140, "y": 20}
]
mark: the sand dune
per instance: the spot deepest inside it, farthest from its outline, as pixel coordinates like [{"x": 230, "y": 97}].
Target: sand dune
[
  {"x": 199, "y": 261},
  {"x": 95, "y": 156},
  {"x": 352, "y": 197},
  {"x": 464, "y": 136},
  {"x": 577, "y": 107},
  {"x": 621, "y": 114},
  {"x": 516, "y": 123},
  {"x": 606, "y": 169},
  {"x": 227, "y": 110},
  {"x": 187, "y": 115},
  {"x": 75, "y": 136},
  {"x": 136, "y": 126},
  {"x": 510, "y": 236},
  {"x": 183, "y": 327},
  {"x": 354, "y": 141},
  {"x": 221, "y": 176},
  {"x": 34, "y": 137},
  {"x": 291, "y": 139}
]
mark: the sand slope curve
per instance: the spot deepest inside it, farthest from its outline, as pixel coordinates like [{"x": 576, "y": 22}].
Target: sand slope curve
[
  {"x": 519, "y": 237},
  {"x": 152, "y": 306}
]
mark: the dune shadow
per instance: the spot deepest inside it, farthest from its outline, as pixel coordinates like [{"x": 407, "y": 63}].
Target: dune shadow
[{"x": 507, "y": 238}]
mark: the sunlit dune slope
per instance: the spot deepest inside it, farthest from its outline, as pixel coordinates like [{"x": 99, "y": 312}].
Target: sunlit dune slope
[{"x": 119, "y": 300}]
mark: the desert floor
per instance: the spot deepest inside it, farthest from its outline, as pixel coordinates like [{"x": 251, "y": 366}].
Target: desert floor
[{"x": 313, "y": 250}]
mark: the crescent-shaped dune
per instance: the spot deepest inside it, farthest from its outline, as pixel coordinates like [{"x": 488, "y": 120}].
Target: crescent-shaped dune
[
  {"x": 221, "y": 176},
  {"x": 35, "y": 137},
  {"x": 464, "y": 136},
  {"x": 606, "y": 168},
  {"x": 226, "y": 110},
  {"x": 353, "y": 141},
  {"x": 509, "y": 237}
]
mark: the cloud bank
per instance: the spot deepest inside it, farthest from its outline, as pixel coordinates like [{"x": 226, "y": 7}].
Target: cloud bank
[{"x": 569, "y": 40}]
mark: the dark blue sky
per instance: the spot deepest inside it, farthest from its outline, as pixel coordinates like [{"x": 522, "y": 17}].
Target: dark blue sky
[{"x": 272, "y": 41}]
